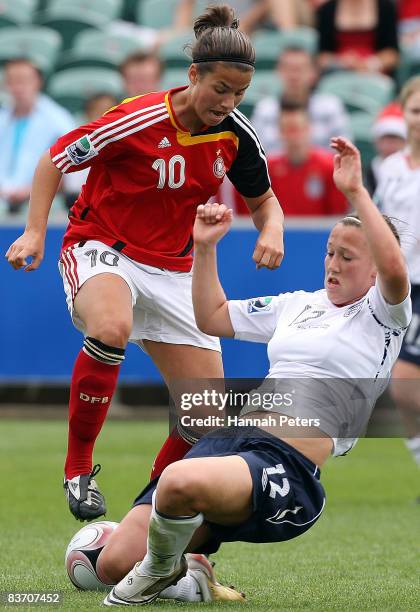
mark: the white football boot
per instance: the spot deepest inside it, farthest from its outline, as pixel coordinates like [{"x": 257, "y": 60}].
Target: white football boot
[{"x": 138, "y": 589}]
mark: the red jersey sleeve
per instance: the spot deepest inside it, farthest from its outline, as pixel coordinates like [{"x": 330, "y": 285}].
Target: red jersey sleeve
[{"x": 92, "y": 143}]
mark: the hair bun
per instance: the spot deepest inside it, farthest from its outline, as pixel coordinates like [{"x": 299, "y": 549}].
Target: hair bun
[{"x": 221, "y": 16}]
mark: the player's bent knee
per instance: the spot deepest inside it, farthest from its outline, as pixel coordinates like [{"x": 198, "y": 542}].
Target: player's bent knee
[
  {"x": 111, "y": 331},
  {"x": 180, "y": 487}
]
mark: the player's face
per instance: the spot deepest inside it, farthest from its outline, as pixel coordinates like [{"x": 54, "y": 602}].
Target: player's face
[
  {"x": 412, "y": 116},
  {"x": 215, "y": 94},
  {"x": 349, "y": 268}
]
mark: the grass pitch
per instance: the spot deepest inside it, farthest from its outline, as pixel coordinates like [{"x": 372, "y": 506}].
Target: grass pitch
[{"x": 362, "y": 554}]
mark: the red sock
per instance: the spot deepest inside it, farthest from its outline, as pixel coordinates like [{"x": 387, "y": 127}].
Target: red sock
[
  {"x": 173, "y": 449},
  {"x": 92, "y": 386}
]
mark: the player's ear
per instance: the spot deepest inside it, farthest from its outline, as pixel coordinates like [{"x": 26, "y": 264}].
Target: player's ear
[{"x": 193, "y": 74}]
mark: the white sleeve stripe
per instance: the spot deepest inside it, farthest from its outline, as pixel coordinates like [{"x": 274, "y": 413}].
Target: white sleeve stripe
[
  {"x": 254, "y": 138},
  {"x": 62, "y": 162},
  {"x": 161, "y": 106},
  {"x": 137, "y": 128},
  {"x": 62, "y": 170},
  {"x": 114, "y": 123},
  {"x": 58, "y": 156},
  {"x": 247, "y": 122},
  {"x": 138, "y": 120}
]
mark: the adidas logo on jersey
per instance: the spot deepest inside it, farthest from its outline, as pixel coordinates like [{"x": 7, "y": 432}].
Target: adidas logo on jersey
[{"x": 164, "y": 143}]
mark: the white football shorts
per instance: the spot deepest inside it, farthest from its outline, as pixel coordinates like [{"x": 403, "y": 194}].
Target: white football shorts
[{"x": 162, "y": 303}]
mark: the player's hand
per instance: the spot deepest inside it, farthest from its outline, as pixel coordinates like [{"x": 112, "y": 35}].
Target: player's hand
[
  {"x": 211, "y": 223},
  {"x": 347, "y": 166},
  {"x": 30, "y": 244},
  {"x": 269, "y": 250}
]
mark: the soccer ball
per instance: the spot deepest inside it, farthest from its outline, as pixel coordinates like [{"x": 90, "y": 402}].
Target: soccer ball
[{"x": 83, "y": 552}]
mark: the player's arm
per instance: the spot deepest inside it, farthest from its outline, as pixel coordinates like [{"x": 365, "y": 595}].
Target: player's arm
[
  {"x": 268, "y": 218},
  {"x": 385, "y": 250},
  {"x": 209, "y": 300},
  {"x": 31, "y": 244}
]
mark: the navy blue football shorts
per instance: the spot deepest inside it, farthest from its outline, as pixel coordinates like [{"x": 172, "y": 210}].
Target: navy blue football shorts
[
  {"x": 287, "y": 495},
  {"x": 410, "y": 350}
]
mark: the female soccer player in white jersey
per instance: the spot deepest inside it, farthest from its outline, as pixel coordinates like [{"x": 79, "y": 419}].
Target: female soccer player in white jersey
[
  {"x": 127, "y": 251},
  {"x": 398, "y": 196},
  {"x": 258, "y": 483}
]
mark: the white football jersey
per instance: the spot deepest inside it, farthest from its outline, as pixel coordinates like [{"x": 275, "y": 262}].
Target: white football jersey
[
  {"x": 308, "y": 337},
  {"x": 398, "y": 196}
]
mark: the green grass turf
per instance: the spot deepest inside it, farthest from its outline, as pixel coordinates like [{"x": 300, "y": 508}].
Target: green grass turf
[{"x": 361, "y": 555}]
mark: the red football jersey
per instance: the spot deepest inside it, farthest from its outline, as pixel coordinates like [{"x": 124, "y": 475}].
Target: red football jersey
[
  {"x": 307, "y": 188},
  {"x": 149, "y": 173}
]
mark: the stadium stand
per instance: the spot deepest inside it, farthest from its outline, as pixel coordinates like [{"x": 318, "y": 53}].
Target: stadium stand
[
  {"x": 172, "y": 51},
  {"x": 367, "y": 92},
  {"x": 40, "y": 45},
  {"x": 111, "y": 9},
  {"x": 16, "y": 12},
  {"x": 98, "y": 48},
  {"x": 129, "y": 10},
  {"x": 156, "y": 13},
  {"x": 361, "y": 129},
  {"x": 73, "y": 87},
  {"x": 69, "y": 22},
  {"x": 269, "y": 44},
  {"x": 263, "y": 85},
  {"x": 160, "y": 13},
  {"x": 174, "y": 77},
  {"x": 409, "y": 66}
]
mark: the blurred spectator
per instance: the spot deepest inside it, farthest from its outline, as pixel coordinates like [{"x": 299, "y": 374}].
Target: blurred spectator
[
  {"x": 298, "y": 73},
  {"x": 95, "y": 107},
  {"x": 141, "y": 73},
  {"x": 302, "y": 176},
  {"x": 283, "y": 14},
  {"x": 358, "y": 35},
  {"x": 409, "y": 24},
  {"x": 301, "y": 12},
  {"x": 29, "y": 123},
  {"x": 389, "y": 133}
]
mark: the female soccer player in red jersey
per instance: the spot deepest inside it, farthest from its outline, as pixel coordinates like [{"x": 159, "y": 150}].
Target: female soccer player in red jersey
[{"x": 126, "y": 255}]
